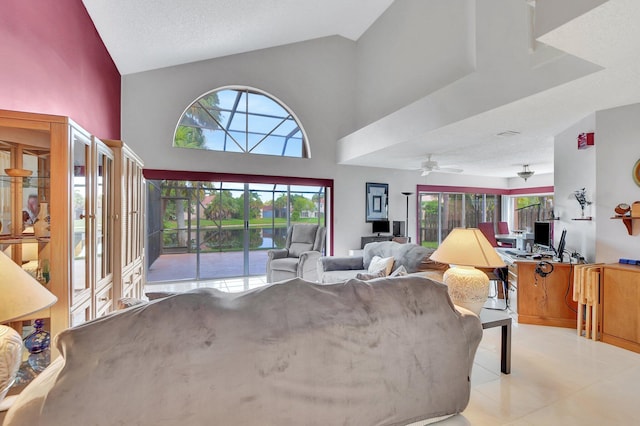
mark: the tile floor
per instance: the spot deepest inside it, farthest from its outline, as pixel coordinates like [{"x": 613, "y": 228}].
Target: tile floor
[
  {"x": 232, "y": 285},
  {"x": 557, "y": 377}
]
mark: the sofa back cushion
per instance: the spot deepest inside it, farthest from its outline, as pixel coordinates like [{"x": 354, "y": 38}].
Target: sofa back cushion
[
  {"x": 289, "y": 353},
  {"x": 410, "y": 255}
]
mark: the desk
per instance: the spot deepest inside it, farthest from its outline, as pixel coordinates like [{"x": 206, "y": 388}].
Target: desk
[
  {"x": 490, "y": 319},
  {"x": 546, "y": 300}
]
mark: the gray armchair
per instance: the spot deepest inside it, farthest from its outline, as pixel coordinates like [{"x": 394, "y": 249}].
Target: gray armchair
[{"x": 299, "y": 258}]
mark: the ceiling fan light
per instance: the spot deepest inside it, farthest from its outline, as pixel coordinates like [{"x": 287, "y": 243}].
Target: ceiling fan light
[{"x": 525, "y": 173}]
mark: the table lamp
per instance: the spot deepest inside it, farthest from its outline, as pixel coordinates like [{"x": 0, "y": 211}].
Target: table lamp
[
  {"x": 21, "y": 295},
  {"x": 464, "y": 249}
]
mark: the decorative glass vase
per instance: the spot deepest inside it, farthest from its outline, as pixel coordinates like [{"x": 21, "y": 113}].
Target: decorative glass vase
[
  {"x": 41, "y": 226},
  {"x": 39, "y": 340}
]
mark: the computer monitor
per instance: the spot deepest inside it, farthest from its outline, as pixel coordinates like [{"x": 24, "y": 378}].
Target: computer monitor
[
  {"x": 380, "y": 226},
  {"x": 542, "y": 235},
  {"x": 561, "y": 245}
]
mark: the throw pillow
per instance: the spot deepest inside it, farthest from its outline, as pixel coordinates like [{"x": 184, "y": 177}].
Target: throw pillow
[
  {"x": 399, "y": 272},
  {"x": 381, "y": 263},
  {"x": 367, "y": 277}
]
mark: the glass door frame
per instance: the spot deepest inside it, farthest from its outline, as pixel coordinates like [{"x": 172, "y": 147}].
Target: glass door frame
[
  {"x": 247, "y": 181},
  {"x": 464, "y": 190}
]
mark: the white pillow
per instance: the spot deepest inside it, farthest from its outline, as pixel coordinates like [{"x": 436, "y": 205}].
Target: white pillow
[{"x": 381, "y": 263}]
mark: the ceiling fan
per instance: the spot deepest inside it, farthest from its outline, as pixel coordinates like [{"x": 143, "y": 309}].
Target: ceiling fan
[{"x": 430, "y": 165}]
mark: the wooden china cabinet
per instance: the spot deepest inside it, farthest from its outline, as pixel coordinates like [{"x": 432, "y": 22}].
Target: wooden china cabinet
[
  {"x": 129, "y": 238},
  {"x": 91, "y": 192}
]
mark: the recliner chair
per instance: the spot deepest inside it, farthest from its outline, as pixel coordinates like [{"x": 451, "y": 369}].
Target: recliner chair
[{"x": 303, "y": 248}]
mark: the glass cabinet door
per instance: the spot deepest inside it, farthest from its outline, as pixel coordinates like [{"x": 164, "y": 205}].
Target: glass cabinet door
[
  {"x": 80, "y": 250},
  {"x": 5, "y": 190},
  {"x": 103, "y": 230}
]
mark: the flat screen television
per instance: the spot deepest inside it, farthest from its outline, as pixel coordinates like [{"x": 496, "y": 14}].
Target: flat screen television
[
  {"x": 561, "y": 245},
  {"x": 542, "y": 235},
  {"x": 380, "y": 226}
]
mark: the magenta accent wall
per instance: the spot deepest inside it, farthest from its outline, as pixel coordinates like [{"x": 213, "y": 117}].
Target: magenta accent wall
[{"x": 53, "y": 61}]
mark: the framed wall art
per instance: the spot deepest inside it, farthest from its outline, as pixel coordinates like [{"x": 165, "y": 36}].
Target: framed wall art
[{"x": 377, "y": 207}]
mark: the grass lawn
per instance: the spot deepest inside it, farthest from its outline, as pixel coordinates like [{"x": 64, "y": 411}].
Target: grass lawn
[{"x": 239, "y": 223}]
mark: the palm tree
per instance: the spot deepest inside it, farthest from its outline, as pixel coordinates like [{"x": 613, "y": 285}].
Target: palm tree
[
  {"x": 202, "y": 114},
  {"x": 188, "y": 137}
]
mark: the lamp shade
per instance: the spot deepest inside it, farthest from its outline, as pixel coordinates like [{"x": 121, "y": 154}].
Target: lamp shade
[
  {"x": 21, "y": 293},
  {"x": 467, "y": 247}
]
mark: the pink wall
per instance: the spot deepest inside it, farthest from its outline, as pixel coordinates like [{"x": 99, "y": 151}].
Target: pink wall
[{"x": 53, "y": 61}]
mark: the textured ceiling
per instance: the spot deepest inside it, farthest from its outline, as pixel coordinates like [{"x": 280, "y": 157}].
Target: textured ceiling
[{"x": 147, "y": 34}]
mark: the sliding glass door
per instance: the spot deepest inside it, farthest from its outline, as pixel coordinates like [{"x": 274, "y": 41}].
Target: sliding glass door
[{"x": 218, "y": 229}]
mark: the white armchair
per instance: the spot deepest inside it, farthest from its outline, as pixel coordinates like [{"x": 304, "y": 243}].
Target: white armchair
[{"x": 299, "y": 258}]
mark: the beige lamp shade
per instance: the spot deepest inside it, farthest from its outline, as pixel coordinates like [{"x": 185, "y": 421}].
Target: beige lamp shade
[
  {"x": 467, "y": 247},
  {"x": 20, "y": 293}
]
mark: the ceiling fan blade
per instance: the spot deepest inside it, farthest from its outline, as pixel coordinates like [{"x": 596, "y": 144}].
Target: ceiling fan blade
[
  {"x": 450, "y": 170},
  {"x": 427, "y": 166}
]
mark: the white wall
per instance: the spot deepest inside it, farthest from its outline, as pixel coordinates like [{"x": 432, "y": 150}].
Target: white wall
[
  {"x": 413, "y": 49},
  {"x": 350, "y": 201},
  {"x": 616, "y": 139},
  {"x": 605, "y": 170},
  {"x": 575, "y": 169},
  {"x": 315, "y": 79}
]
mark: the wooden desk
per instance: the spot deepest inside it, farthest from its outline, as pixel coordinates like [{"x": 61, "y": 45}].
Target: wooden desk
[{"x": 546, "y": 300}]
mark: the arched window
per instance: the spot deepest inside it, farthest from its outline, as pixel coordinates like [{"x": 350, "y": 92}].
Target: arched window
[{"x": 241, "y": 119}]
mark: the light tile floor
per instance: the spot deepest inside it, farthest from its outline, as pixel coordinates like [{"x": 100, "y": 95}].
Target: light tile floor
[
  {"x": 232, "y": 285},
  {"x": 557, "y": 377}
]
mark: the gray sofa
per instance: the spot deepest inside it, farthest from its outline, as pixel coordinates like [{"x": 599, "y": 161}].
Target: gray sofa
[
  {"x": 390, "y": 351},
  {"x": 413, "y": 257}
]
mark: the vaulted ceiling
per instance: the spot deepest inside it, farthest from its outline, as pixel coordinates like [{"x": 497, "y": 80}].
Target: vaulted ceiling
[{"x": 603, "y": 43}]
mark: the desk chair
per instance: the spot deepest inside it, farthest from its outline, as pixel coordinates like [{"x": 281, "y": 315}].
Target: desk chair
[
  {"x": 489, "y": 231},
  {"x": 503, "y": 228}
]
